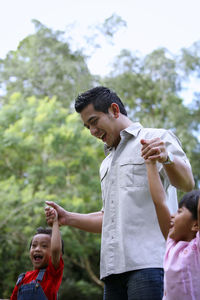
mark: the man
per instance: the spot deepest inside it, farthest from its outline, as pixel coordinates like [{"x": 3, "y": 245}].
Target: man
[{"x": 132, "y": 246}]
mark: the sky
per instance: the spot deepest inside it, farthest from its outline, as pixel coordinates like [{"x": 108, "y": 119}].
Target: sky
[{"x": 150, "y": 24}]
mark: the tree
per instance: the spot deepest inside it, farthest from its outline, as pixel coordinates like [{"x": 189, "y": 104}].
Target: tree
[
  {"x": 46, "y": 154},
  {"x": 150, "y": 88},
  {"x": 44, "y": 66}
]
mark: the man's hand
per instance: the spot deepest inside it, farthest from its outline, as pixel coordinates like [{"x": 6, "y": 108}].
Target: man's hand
[
  {"x": 53, "y": 215},
  {"x": 179, "y": 173},
  {"x": 154, "y": 150},
  {"x": 62, "y": 214}
]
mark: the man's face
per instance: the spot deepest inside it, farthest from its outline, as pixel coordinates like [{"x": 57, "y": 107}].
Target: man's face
[
  {"x": 101, "y": 125},
  {"x": 40, "y": 250}
]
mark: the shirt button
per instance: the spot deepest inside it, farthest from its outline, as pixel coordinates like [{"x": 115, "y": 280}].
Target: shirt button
[{"x": 194, "y": 247}]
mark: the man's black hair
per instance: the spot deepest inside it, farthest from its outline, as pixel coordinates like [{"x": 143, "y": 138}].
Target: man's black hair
[
  {"x": 47, "y": 230},
  {"x": 190, "y": 201},
  {"x": 101, "y": 97}
]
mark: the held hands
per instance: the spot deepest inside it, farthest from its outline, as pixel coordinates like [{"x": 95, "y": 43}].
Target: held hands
[
  {"x": 153, "y": 150},
  {"x": 52, "y": 215},
  {"x": 61, "y": 214}
]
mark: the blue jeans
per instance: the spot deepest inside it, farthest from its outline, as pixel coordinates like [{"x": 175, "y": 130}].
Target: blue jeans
[{"x": 144, "y": 284}]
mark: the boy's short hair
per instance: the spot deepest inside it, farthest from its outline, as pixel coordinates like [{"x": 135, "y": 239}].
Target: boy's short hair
[
  {"x": 101, "y": 97},
  {"x": 43, "y": 230},
  {"x": 190, "y": 201},
  {"x": 47, "y": 230}
]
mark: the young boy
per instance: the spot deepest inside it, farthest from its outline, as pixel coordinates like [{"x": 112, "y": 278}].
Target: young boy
[{"x": 46, "y": 255}]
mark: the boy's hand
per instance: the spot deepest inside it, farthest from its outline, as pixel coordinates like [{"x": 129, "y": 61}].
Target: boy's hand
[
  {"x": 62, "y": 214},
  {"x": 53, "y": 215}
]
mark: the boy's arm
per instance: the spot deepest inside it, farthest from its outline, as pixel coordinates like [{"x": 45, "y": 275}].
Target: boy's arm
[
  {"x": 56, "y": 244},
  {"x": 158, "y": 196}
]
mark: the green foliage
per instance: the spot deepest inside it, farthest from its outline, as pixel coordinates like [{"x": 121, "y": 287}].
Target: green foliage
[
  {"x": 46, "y": 154},
  {"x": 111, "y": 25},
  {"x": 44, "y": 66},
  {"x": 190, "y": 59},
  {"x": 150, "y": 88}
]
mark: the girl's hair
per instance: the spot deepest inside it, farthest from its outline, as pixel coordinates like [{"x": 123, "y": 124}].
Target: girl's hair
[
  {"x": 190, "y": 201},
  {"x": 48, "y": 231}
]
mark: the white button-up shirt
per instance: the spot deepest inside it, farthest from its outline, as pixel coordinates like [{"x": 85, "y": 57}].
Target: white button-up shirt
[{"x": 131, "y": 237}]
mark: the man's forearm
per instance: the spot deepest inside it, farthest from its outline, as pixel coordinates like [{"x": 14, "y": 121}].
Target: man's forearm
[
  {"x": 180, "y": 175},
  {"x": 88, "y": 222}
]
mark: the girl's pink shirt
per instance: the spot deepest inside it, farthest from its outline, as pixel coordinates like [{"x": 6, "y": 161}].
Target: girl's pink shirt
[{"x": 182, "y": 270}]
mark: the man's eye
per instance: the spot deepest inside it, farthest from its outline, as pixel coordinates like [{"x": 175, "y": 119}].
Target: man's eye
[
  {"x": 44, "y": 246},
  {"x": 93, "y": 122}
]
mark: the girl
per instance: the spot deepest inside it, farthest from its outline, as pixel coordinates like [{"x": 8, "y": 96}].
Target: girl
[{"x": 182, "y": 257}]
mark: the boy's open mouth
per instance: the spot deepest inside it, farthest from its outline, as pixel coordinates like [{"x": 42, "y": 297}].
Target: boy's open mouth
[{"x": 37, "y": 257}]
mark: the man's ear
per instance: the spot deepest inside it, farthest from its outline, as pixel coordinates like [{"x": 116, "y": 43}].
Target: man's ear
[
  {"x": 195, "y": 226},
  {"x": 114, "y": 109}
]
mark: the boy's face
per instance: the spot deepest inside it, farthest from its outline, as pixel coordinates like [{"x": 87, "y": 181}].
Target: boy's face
[{"x": 40, "y": 250}]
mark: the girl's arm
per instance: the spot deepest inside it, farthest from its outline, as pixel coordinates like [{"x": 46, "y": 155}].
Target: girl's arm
[
  {"x": 199, "y": 214},
  {"x": 158, "y": 196},
  {"x": 56, "y": 244}
]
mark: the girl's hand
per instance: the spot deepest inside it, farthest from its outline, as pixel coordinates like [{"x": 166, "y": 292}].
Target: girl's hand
[
  {"x": 148, "y": 161},
  {"x": 154, "y": 150}
]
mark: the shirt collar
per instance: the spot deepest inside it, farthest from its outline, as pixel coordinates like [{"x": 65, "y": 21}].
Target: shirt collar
[{"x": 133, "y": 129}]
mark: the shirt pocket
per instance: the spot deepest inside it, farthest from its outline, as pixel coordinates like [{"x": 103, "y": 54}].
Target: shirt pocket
[{"x": 132, "y": 173}]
